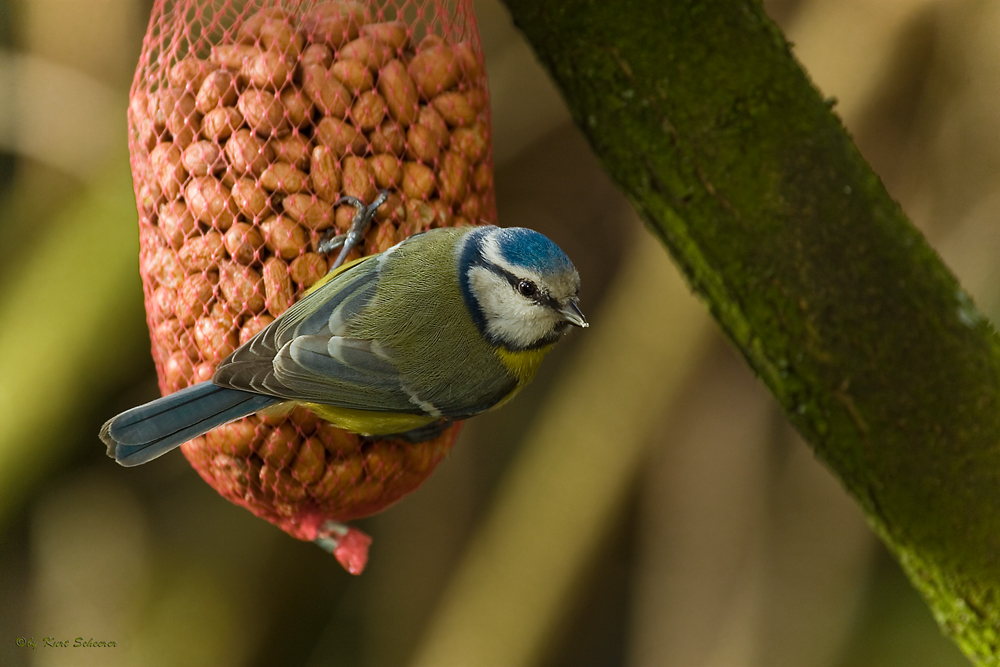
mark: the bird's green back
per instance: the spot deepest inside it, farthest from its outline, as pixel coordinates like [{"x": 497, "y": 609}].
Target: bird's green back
[{"x": 433, "y": 339}]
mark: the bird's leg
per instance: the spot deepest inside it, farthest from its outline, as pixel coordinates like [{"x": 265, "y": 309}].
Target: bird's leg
[{"x": 356, "y": 234}]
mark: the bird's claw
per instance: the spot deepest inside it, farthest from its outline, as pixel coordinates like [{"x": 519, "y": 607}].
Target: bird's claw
[{"x": 356, "y": 233}]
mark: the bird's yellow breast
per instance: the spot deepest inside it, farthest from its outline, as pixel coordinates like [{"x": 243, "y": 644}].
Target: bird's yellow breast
[{"x": 523, "y": 364}]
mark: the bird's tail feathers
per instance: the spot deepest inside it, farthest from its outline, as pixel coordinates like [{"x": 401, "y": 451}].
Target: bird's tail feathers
[{"x": 151, "y": 430}]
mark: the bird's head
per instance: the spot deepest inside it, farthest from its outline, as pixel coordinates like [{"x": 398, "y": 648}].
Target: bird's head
[{"x": 521, "y": 288}]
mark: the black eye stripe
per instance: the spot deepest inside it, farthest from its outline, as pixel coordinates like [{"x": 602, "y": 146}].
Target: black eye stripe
[{"x": 472, "y": 256}]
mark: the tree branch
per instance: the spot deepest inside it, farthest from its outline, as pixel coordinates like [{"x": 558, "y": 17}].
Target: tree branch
[{"x": 701, "y": 114}]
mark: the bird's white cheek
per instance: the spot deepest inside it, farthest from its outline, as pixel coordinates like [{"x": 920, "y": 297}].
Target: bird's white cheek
[{"x": 509, "y": 316}]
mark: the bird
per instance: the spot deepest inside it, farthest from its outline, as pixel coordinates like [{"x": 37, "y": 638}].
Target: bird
[{"x": 443, "y": 326}]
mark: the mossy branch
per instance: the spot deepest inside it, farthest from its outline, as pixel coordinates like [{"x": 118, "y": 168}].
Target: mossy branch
[{"x": 701, "y": 114}]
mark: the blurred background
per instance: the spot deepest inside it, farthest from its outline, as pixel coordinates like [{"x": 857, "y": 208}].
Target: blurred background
[{"x": 643, "y": 503}]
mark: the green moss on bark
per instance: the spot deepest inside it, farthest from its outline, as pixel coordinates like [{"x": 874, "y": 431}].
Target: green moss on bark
[{"x": 700, "y": 113}]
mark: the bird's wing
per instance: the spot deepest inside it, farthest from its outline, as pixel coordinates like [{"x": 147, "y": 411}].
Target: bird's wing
[{"x": 305, "y": 356}]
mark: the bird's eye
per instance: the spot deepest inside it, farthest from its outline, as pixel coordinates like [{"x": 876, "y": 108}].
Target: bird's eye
[{"x": 527, "y": 288}]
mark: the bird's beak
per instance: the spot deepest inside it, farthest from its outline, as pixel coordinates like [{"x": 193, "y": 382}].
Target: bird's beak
[{"x": 572, "y": 314}]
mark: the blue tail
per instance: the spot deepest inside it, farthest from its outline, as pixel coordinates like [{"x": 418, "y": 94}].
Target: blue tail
[{"x": 151, "y": 430}]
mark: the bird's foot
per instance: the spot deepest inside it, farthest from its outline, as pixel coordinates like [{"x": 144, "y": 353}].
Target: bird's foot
[{"x": 356, "y": 233}]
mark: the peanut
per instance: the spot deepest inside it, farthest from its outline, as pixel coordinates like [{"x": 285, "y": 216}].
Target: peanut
[
  {"x": 176, "y": 223},
  {"x": 280, "y": 446},
  {"x": 455, "y": 109},
  {"x": 476, "y": 98},
  {"x": 343, "y": 216},
  {"x": 305, "y": 419},
  {"x": 283, "y": 177},
  {"x": 250, "y": 197},
  {"x": 253, "y": 326},
  {"x": 283, "y": 237},
  {"x": 203, "y": 372},
  {"x": 281, "y": 37},
  {"x": 267, "y": 69},
  {"x": 453, "y": 176},
  {"x": 235, "y": 438},
  {"x": 324, "y": 177},
  {"x": 219, "y": 89},
  {"x": 309, "y": 210},
  {"x": 317, "y": 54},
  {"x": 294, "y": 149},
  {"x": 392, "y": 209},
  {"x": 150, "y": 193},
  {"x": 388, "y": 138},
  {"x": 341, "y": 137},
  {"x": 263, "y": 112},
  {"x": 419, "y": 216},
  {"x": 241, "y": 287},
  {"x": 387, "y": 170},
  {"x": 393, "y": 34},
  {"x": 165, "y": 267},
  {"x": 175, "y": 337},
  {"x": 385, "y": 238},
  {"x": 202, "y": 158},
  {"x": 334, "y": 22},
  {"x": 242, "y": 242},
  {"x": 193, "y": 298},
  {"x": 200, "y": 253},
  {"x": 325, "y": 90},
  {"x": 147, "y": 132},
  {"x": 168, "y": 168},
  {"x": 182, "y": 118},
  {"x": 368, "y": 110},
  {"x": 250, "y": 30},
  {"x": 372, "y": 53},
  {"x": 340, "y": 444},
  {"x": 358, "y": 180},
  {"x": 306, "y": 269},
  {"x": 178, "y": 370},
  {"x": 298, "y": 106},
  {"x": 471, "y": 141},
  {"x": 215, "y": 341},
  {"x": 278, "y": 292},
  {"x": 482, "y": 177},
  {"x": 354, "y": 74},
  {"x": 345, "y": 471},
  {"x": 433, "y": 121},
  {"x": 430, "y": 41},
  {"x": 155, "y": 109},
  {"x": 220, "y": 123},
  {"x": 231, "y": 56},
  {"x": 190, "y": 72},
  {"x": 398, "y": 88},
  {"x": 418, "y": 180},
  {"x": 472, "y": 207},
  {"x": 247, "y": 153},
  {"x": 162, "y": 304},
  {"x": 138, "y": 108},
  {"x": 434, "y": 70},
  {"x": 211, "y": 201},
  {"x": 383, "y": 460},
  {"x": 310, "y": 464},
  {"x": 443, "y": 216},
  {"x": 421, "y": 144},
  {"x": 468, "y": 61}
]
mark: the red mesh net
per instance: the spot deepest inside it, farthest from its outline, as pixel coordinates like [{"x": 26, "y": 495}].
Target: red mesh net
[{"x": 247, "y": 122}]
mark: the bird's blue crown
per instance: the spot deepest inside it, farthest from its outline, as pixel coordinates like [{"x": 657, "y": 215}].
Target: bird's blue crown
[{"x": 531, "y": 250}]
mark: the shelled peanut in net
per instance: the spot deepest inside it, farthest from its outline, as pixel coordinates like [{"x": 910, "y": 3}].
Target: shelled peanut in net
[{"x": 240, "y": 157}]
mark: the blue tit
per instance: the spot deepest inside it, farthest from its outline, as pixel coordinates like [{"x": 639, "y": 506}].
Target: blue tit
[{"x": 441, "y": 327}]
